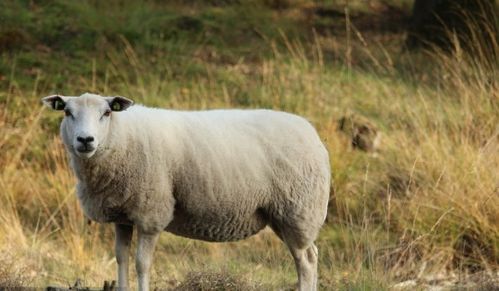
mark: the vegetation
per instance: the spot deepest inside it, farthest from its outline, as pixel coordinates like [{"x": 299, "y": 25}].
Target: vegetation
[{"x": 425, "y": 205}]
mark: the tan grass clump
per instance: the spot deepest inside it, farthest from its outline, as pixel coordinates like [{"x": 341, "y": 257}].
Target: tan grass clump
[{"x": 210, "y": 281}]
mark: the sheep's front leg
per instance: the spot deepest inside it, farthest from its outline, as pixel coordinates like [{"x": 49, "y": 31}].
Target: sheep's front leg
[
  {"x": 122, "y": 248},
  {"x": 143, "y": 261}
]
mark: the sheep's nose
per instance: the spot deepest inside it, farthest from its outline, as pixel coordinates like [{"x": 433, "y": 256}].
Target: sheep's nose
[{"x": 85, "y": 140}]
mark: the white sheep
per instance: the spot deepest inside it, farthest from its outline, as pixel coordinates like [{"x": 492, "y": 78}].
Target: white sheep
[{"x": 216, "y": 175}]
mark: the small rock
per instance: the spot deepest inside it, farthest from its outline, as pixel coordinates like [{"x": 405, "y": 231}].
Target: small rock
[
  {"x": 363, "y": 133},
  {"x": 405, "y": 285}
]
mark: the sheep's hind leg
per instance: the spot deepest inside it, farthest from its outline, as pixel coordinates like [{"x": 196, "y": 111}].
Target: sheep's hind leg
[
  {"x": 145, "y": 249},
  {"x": 305, "y": 255},
  {"x": 306, "y": 266},
  {"x": 122, "y": 248}
]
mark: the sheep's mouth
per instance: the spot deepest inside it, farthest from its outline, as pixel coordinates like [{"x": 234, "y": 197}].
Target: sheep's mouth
[
  {"x": 85, "y": 149},
  {"x": 85, "y": 152}
]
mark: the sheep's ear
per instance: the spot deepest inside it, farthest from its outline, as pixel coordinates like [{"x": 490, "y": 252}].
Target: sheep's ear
[
  {"x": 56, "y": 102},
  {"x": 119, "y": 103}
]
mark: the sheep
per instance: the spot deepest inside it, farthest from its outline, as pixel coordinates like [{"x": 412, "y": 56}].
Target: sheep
[{"x": 213, "y": 175}]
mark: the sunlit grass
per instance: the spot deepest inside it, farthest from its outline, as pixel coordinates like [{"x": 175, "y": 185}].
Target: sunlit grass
[{"x": 426, "y": 202}]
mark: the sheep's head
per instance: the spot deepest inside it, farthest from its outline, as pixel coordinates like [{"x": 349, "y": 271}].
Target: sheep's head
[{"x": 87, "y": 119}]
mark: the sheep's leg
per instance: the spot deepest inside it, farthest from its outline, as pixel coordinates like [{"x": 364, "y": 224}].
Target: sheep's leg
[
  {"x": 315, "y": 251},
  {"x": 145, "y": 249},
  {"x": 122, "y": 248},
  {"x": 306, "y": 267}
]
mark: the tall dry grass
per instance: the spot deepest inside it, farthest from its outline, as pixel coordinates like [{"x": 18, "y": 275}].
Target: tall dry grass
[{"x": 428, "y": 202}]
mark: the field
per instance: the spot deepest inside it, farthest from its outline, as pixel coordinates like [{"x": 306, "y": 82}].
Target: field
[{"x": 422, "y": 210}]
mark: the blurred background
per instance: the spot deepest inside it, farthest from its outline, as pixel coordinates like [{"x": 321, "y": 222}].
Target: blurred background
[{"x": 403, "y": 93}]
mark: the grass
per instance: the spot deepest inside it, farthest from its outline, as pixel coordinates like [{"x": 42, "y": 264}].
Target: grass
[{"x": 427, "y": 203}]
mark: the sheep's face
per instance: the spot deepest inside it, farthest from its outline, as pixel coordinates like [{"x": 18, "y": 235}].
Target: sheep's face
[{"x": 87, "y": 120}]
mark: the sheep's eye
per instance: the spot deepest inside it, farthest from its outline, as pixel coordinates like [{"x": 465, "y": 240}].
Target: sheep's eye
[
  {"x": 107, "y": 112},
  {"x": 67, "y": 112}
]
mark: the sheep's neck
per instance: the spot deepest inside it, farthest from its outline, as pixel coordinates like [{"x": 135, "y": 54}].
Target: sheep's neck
[{"x": 103, "y": 170}]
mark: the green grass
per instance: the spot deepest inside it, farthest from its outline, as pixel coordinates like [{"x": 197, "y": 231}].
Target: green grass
[{"x": 426, "y": 202}]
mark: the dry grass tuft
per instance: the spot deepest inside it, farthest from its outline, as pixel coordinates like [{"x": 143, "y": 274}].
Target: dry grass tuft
[
  {"x": 204, "y": 281},
  {"x": 13, "y": 273}
]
